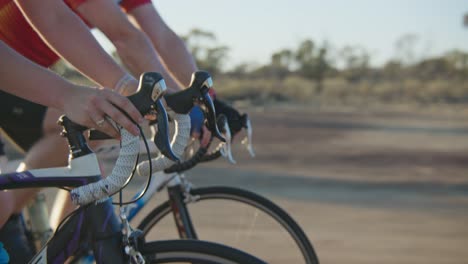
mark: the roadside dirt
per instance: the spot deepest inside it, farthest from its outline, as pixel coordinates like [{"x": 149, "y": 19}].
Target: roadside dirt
[
  {"x": 388, "y": 187},
  {"x": 377, "y": 147},
  {"x": 367, "y": 187}
]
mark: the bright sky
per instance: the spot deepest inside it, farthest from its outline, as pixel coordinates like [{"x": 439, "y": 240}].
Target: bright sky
[{"x": 254, "y": 29}]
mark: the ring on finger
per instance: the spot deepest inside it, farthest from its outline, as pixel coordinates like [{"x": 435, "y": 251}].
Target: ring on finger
[{"x": 100, "y": 123}]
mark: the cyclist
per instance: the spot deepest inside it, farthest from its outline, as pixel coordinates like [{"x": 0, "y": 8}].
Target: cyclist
[
  {"x": 61, "y": 33},
  {"x": 84, "y": 105}
]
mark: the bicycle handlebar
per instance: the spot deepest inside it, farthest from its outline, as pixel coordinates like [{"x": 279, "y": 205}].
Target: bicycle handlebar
[
  {"x": 160, "y": 163},
  {"x": 183, "y": 101},
  {"x": 104, "y": 188},
  {"x": 150, "y": 91},
  {"x": 146, "y": 99},
  {"x": 202, "y": 155},
  {"x": 182, "y": 128}
]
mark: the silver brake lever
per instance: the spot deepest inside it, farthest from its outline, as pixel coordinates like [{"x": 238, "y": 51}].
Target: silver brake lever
[
  {"x": 226, "y": 150},
  {"x": 247, "y": 141}
]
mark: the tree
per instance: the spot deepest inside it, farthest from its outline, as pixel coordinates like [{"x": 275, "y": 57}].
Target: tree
[
  {"x": 312, "y": 63},
  {"x": 392, "y": 70},
  {"x": 281, "y": 63},
  {"x": 321, "y": 67},
  {"x": 208, "y": 54},
  {"x": 405, "y": 48},
  {"x": 458, "y": 61},
  {"x": 282, "y": 59},
  {"x": 356, "y": 62},
  {"x": 305, "y": 52}
]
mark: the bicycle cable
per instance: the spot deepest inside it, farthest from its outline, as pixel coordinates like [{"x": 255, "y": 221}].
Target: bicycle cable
[
  {"x": 120, "y": 203},
  {"x": 142, "y": 193}
]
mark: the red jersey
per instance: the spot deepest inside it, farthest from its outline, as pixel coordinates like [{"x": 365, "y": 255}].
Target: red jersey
[{"x": 16, "y": 32}]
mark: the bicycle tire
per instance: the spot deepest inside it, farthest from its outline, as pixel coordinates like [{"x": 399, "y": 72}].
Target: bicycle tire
[
  {"x": 248, "y": 198},
  {"x": 194, "y": 251}
]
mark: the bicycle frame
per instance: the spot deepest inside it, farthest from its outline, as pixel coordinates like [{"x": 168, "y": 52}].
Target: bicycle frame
[
  {"x": 103, "y": 233},
  {"x": 178, "y": 189}
]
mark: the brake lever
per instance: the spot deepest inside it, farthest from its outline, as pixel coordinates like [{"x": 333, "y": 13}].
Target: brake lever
[
  {"x": 226, "y": 150},
  {"x": 211, "y": 116},
  {"x": 159, "y": 88},
  {"x": 182, "y": 101},
  {"x": 148, "y": 97},
  {"x": 247, "y": 141},
  {"x": 161, "y": 138}
]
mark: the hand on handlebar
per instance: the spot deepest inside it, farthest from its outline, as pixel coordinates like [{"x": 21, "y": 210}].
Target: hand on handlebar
[
  {"x": 197, "y": 93},
  {"x": 197, "y": 128},
  {"x": 90, "y": 107}
]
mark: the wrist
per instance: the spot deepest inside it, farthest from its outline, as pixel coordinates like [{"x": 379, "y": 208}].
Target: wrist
[
  {"x": 126, "y": 85},
  {"x": 65, "y": 94}
]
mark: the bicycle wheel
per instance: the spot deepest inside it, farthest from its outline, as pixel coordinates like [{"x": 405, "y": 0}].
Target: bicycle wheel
[
  {"x": 194, "y": 251},
  {"x": 240, "y": 219}
]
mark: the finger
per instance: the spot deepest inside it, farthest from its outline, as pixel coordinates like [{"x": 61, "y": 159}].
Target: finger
[
  {"x": 116, "y": 115},
  {"x": 124, "y": 104},
  {"x": 100, "y": 123},
  {"x": 206, "y": 136},
  {"x": 196, "y": 135},
  {"x": 196, "y": 120},
  {"x": 109, "y": 129},
  {"x": 151, "y": 117}
]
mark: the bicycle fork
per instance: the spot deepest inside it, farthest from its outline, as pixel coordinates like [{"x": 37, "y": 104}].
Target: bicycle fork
[{"x": 179, "y": 196}]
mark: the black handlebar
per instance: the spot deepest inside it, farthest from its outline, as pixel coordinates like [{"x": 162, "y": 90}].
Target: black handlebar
[
  {"x": 201, "y": 155},
  {"x": 197, "y": 92},
  {"x": 188, "y": 164},
  {"x": 151, "y": 88}
]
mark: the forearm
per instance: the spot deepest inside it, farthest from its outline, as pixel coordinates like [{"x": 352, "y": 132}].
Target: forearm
[
  {"x": 169, "y": 46},
  {"x": 133, "y": 46},
  {"x": 139, "y": 56},
  {"x": 28, "y": 80},
  {"x": 69, "y": 37}
]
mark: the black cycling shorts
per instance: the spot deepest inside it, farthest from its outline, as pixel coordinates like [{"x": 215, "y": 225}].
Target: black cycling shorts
[{"x": 21, "y": 120}]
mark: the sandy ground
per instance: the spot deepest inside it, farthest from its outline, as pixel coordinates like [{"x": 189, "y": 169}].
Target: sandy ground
[
  {"x": 367, "y": 187},
  {"x": 371, "y": 187}
]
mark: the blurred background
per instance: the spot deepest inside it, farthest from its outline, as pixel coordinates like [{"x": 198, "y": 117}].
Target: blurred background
[{"x": 360, "y": 116}]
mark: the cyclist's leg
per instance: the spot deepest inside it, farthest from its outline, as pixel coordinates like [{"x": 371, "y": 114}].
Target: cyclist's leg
[
  {"x": 21, "y": 121},
  {"x": 51, "y": 151},
  {"x": 44, "y": 145},
  {"x": 8, "y": 204},
  {"x": 48, "y": 151}
]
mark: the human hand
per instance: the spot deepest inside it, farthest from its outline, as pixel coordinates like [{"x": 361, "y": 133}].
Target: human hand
[
  {"x": 197, "y": 128},
  {"x": 91, "y": 107}
]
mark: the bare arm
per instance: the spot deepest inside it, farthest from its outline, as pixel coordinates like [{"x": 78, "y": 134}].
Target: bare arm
[
  {"x": 133, "y": 46},
  {"x": 169, "y": 46},
  {"x": 69, "y": 37},
  {"x": 84, "y": 105}
]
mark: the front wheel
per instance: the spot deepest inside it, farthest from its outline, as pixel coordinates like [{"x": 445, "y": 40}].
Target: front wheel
[
  {"x": 240, "y": 219},
  {"x": 194, "y": 251}
]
